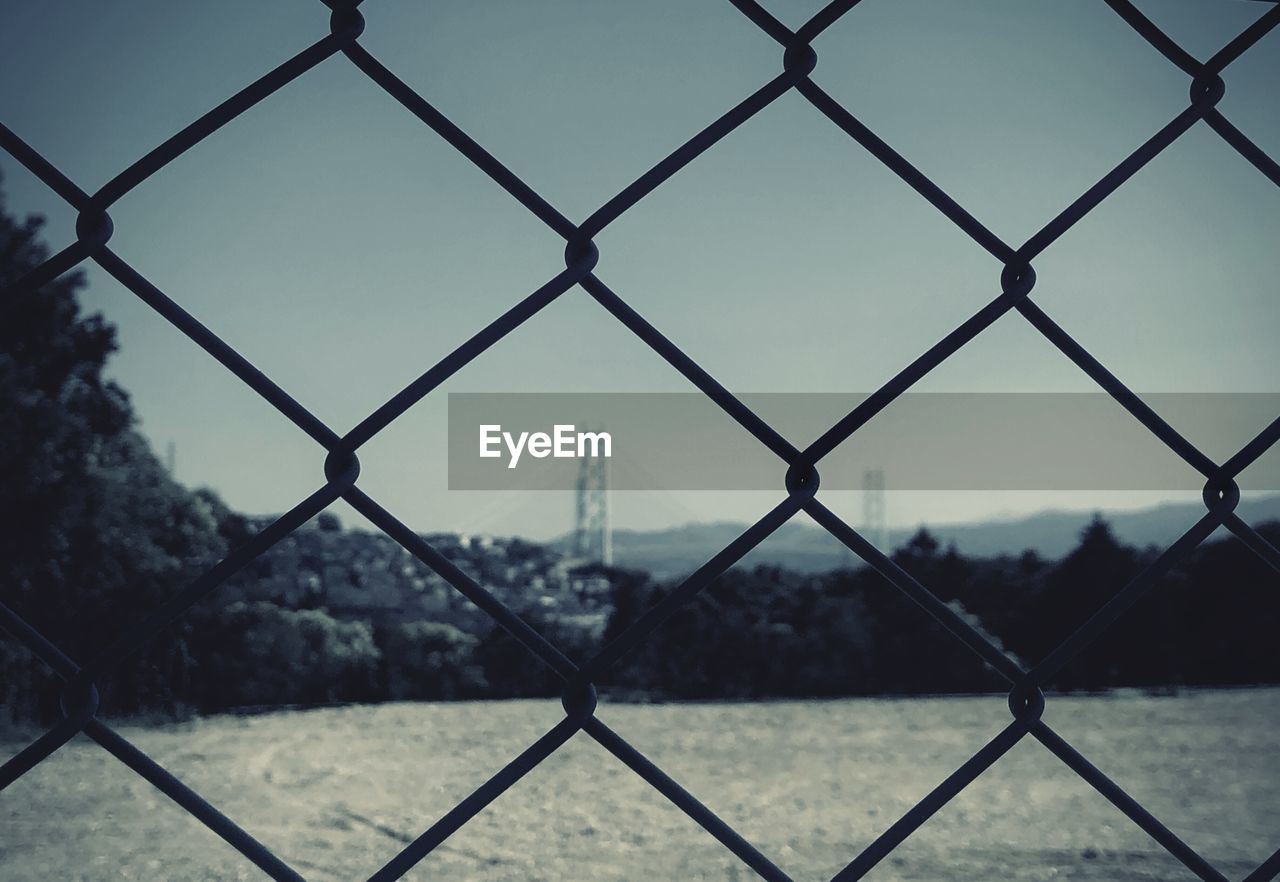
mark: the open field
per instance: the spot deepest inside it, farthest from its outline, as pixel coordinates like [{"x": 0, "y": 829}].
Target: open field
[{"x": 336, "y": 792}]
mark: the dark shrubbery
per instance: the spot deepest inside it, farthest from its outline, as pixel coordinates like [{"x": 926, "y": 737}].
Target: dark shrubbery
[
  {"x": 262, "y": 654},
  {"x": 431, "y": 661},
  {"x": 768, "y": 632}
]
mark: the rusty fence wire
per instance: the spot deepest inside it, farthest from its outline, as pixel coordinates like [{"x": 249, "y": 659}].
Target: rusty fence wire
[{"x": 798, "y": 467}]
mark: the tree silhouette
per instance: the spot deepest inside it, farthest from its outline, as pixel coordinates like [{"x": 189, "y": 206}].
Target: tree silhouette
[
  {"x": 95, "y": 531},
  {"x": 1074, "y": 590}
]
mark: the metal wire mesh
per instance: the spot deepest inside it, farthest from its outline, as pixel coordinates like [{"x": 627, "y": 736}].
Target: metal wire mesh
[{"x": 801, "y": 479}]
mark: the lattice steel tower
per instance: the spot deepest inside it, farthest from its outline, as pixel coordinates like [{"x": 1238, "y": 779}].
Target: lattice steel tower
[
  {"x": 593, "y": 534},
  {"x": 875, "y": 528}
]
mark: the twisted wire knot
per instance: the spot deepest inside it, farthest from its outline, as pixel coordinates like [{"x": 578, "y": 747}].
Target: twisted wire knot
[
  {"x": 1221, "y": 495},
  {"x": 802, "y": 479},
  {"x": 1206, "y": 91},
  {"x": 94, "y": 227},
  {"x": 581, "y": 255},
  {"x": 799, "y": 57},
  {"x": 1026, "y": 703},
  {"x": 1016, "y": 281},
  {"x": 341, "y": 468},
  {"x": 579, "y": 700},
  {"x": 346, "y": 22}
]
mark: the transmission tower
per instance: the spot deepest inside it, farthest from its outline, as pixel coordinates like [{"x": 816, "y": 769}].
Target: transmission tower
[
  {"x": 874, "y": 524},
  {"x": 593, "y": 535}
]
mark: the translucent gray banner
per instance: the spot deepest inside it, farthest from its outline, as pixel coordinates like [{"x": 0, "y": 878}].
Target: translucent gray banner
[{"x": 921, "y": 441}]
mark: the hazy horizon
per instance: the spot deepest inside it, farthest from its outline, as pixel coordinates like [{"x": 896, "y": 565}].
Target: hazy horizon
[{"x": 897, "y": 531}]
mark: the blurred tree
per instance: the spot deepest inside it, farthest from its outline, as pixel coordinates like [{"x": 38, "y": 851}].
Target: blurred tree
[
  {"x": 95, "y": 532},
  {"x": 261, "y": 654},
  {"x": 511, "y": 670},
  {"x": 1230, "y": 615},
  {"x": 921, "y": 547},
  {"x": 431, "y": 661},
  {"x": 1073, "y": 591}
]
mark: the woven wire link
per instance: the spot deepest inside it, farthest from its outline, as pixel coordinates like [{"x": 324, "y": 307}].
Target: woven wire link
[{"x": 800, "y": 475}]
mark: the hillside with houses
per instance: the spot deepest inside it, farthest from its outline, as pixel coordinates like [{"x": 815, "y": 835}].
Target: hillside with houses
[{"x": 368, "y": 576}]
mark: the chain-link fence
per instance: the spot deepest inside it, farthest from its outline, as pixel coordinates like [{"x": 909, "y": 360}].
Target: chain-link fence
[{"x": 798, "y": 466}]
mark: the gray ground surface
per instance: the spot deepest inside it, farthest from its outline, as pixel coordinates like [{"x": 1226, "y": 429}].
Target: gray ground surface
[{"x": 336, "y": 792}]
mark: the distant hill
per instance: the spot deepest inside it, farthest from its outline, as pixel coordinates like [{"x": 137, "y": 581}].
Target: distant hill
[{"x": 807, "y": 548}]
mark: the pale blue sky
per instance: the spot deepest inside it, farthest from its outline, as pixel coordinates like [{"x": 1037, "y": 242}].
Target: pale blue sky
[{"x": 343, "y": 247}]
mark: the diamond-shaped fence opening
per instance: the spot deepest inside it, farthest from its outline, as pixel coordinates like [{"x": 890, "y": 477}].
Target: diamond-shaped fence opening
[{"x": 798, "y": 466}]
